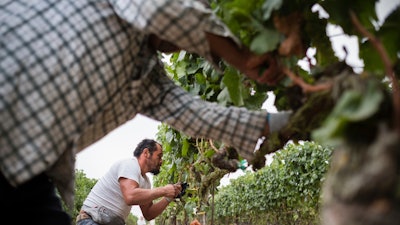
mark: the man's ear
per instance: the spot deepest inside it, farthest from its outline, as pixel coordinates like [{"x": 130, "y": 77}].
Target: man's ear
[{"x": 146, "y": 152}]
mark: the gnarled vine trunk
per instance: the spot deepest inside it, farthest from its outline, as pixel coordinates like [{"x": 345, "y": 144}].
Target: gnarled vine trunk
[{"x": 362, "y": 185}]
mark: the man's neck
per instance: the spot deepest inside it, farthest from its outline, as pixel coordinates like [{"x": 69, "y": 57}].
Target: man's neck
[{"x": 142, "y": 166}]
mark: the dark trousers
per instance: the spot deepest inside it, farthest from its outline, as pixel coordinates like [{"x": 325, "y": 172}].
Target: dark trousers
[{"x": 35, "y": 202}]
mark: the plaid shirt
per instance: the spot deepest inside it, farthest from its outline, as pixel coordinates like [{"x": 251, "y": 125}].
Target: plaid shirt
[{"x": 72, "y": 71}]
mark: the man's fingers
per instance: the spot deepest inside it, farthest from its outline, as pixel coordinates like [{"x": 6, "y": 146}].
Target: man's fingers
[
  {"x": 257, "y": 61},
  {"x": 267, "y": 67},
  {"x": 271, "y": 74}
]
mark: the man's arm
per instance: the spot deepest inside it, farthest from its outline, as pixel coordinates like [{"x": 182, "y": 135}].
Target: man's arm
[
  {"x": 261, "y": 68},
  {"x": 151, "y": 211},
  {"x": 134, "y": 195},
  {"x": 193, "y": 27}
]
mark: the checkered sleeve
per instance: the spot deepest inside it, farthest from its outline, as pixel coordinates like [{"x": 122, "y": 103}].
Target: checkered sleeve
[
  {"x": 181, "y": 22},
  {"x": 235, "y": 126}
]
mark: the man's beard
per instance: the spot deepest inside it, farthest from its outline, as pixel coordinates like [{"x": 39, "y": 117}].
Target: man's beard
[{"x": 155, "y": 171}]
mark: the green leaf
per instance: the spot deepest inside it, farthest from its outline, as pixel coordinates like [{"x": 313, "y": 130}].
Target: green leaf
[
  {"x": 269, "y": 6},
  {"x": 353, "y": 106},
  {"x": 210, "y": 93},
  {"x": 339, "y": 13},
  {"x": 389, "y": 34},
  {"x": 232, "y": 81},
  {"x": 372, "y": 61},
  {"x": 316, "y": 30},
  {"x": 240, "y": 14},
  {"x": 195, "y": 89},
  {"x": 356, "y": 105},
  {"x": 185, "y": 147},
  {"x": 223, "y": 97},
  {"x": 169, "y": 136},
  {"x": 200, "y": 78},
  {"x": 209, "y": 153},
  {"x": 181, "y": 69},
  {"x": 265, "y": 41}
]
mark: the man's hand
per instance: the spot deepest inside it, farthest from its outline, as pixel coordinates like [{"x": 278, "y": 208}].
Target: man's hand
[
  {"x": 183, "y": 189},
  {"x": 262, "y": 68},
  {"x": 172, "y": 190}
]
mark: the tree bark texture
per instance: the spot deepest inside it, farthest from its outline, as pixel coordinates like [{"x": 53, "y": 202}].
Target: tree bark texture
[{"x": 363, "y": 185}]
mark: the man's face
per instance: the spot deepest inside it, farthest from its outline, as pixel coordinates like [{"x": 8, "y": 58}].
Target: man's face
[{"x": 154, "y": 161}]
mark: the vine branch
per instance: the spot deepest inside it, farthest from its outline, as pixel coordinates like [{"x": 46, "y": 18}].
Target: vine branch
[
  {"x": 212, "y": 145},
  {"x": 305, "y": 86},
  {"x": 377, "y": 44}
]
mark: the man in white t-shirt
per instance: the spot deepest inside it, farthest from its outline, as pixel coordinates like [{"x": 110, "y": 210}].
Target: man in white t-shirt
[{"x": 126, "y": 184}]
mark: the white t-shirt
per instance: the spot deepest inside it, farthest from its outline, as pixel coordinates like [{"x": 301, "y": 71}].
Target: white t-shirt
[{"x": 107, "y": 191}]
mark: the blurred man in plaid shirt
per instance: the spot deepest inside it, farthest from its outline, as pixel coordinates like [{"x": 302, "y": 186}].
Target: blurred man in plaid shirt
[{"x": 72, "y": 71}]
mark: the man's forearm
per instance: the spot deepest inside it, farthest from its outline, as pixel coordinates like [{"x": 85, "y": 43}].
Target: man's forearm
[
  {"x": 155, "y": 209},
  {"x": 262, "y": 68},
  {"x": 227, "y": 49},
  {"x": 139, "y": 196}
]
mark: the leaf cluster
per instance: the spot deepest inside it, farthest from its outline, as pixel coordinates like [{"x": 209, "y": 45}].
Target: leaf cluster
[{"x": 285, "y": 192}]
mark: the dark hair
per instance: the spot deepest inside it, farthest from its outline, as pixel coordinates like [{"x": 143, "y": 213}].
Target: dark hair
[{"x": 145, "y": 143}]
